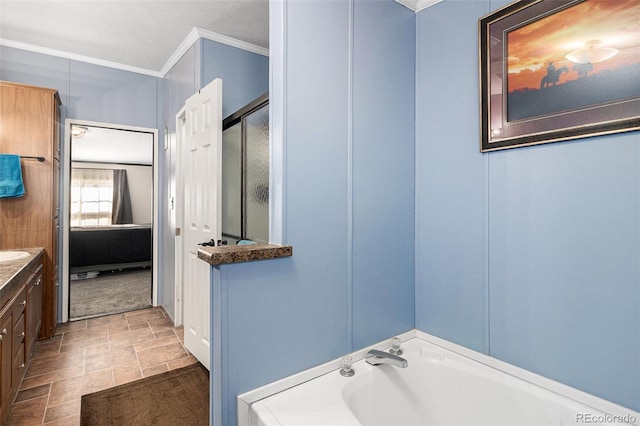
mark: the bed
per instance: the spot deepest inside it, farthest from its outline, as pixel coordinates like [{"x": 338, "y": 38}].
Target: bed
[{"x": 107, "y": 248}]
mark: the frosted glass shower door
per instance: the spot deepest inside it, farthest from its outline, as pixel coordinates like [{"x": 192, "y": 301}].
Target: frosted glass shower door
[
  {"x": 232, "y": 180},
  {"x": 257, "y": 175}
]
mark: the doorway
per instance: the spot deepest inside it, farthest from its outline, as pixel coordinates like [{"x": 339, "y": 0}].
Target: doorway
[{"x": 110, "y": 219}]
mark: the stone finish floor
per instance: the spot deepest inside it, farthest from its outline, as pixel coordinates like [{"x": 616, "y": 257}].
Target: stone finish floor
[{"x": 95, "y": 354}]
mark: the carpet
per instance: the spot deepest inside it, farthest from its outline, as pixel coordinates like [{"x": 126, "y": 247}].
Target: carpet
[
  {"x": 110, "y": 293},
  {"x": 178, "y": 397}
]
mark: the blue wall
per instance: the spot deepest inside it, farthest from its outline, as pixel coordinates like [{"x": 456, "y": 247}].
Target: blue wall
[
  {"x": 382, "y": 170},
  {"x": 530, "y": 255},
  {"x": 88, "y": 92},
  {"x": 245, "y": 75},
  {"x": 349, "y": 132}
]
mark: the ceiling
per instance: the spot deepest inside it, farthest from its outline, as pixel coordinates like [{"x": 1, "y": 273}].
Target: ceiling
[
  {"x": 106, "y": 145},
  {"x": 141, "y": 35}
]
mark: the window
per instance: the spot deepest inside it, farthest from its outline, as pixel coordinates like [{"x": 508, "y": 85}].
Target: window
[{"x": 91, "y": 197}]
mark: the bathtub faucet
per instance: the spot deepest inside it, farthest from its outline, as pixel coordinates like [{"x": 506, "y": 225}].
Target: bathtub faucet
[{"x": 375, "y": 357}]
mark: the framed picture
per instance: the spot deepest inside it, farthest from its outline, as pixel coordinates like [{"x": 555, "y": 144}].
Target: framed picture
[{"x": 553, "y": 70}]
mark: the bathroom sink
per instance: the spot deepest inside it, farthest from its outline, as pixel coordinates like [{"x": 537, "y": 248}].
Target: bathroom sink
[{"x": 9, "y": 256}]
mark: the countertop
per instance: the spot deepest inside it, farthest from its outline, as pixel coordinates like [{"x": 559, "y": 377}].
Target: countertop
[
  {"x": 10, "y": 272},
  {"x": 223, "y": 255}
]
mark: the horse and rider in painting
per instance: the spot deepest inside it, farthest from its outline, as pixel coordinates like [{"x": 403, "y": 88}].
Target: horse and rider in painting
[
  {"x": 553, "y": 75},
  {"x": 572, "y": 86}
]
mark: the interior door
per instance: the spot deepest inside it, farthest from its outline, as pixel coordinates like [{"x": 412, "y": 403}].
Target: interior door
[{"x": 201, "y": 169}]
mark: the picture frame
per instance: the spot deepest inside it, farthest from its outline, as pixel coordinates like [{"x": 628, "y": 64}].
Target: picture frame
[{"x": 555, "y": 70}]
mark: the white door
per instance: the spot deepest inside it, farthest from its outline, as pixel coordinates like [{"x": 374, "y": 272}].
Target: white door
[{"x": 199, "y": 124}]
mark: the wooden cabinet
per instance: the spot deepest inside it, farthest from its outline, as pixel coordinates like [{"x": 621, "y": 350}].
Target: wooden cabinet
[
  {"x": 20, "y": 317},
  {"x": 12, "y": 335},
  {"x": 29, "y": 118},
  {"x": 6, "y": 364}
]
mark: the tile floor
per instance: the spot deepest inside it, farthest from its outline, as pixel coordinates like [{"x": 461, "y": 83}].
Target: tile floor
[{"x": 91, "y": 355}]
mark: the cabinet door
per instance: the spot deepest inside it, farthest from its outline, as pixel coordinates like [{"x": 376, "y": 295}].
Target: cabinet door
[
  {"x": 34, "y": 310},
  {"x": 18, "y": 368},
  {"x": 6, "y": 331}
]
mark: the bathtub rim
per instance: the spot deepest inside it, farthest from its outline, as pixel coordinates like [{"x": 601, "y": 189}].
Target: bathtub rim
[{"x": 244, "y": 400}]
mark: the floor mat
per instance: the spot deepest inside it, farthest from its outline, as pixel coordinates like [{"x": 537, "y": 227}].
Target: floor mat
[{"x": 178, "y": 397}]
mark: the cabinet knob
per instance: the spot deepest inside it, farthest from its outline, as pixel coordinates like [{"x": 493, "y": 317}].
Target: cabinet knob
[
  {"x": 23, "y": 303},
  {"x": 38, "y": 281},
  {"x": 22, "y": 334},
  {"x": 21, "y": 365},
  {"x": 2, "y": 334}
]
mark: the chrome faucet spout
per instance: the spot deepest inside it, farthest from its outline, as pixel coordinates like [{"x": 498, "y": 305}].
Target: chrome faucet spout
[{"x": 376, "y": 357}]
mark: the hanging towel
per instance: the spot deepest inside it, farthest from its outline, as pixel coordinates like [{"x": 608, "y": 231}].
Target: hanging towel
[{"x": 11, "y": 184}]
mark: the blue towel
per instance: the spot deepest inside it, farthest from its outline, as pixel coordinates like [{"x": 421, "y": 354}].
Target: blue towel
[{"x": 11, "y": 184}]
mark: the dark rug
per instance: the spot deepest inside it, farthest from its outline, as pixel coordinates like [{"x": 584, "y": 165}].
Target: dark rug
[{"x": 178, "y": 397}]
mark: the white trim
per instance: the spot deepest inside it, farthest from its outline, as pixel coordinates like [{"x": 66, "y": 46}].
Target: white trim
[
  {"x": 233, "y": 42},
  {"x": 178, "y": 208},
  {"x": 66, "y": 176},
  {"x": 350, "y": 164},
  {"x": 533, "y": 378},
  {"x": 76, "y": 57},
  {"x": 180, "y": 50},
  {"x": 188, "y": 41},
  {"x": 155, "y": 230},
  {"x": 66, "y": 179},
  {"x": 277, "y": 121},
  {"x": 197, "y": 33},
  {"x": 409, "y": 4},
  {"x": 245, "y": 400},
  {"x": 418, "y": 5},
  {"x": 423, "y": 4}
]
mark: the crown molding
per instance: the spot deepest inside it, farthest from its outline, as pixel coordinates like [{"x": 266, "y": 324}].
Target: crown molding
[
  {"x": 76, "y": 57},
  {"x": 179, "y": 52},
  {"x": 197, "y": 33},
  {"x": 418, "y": 5},
  {"x": 229, "y": 41},
  {"x": 191, "y": 38}
]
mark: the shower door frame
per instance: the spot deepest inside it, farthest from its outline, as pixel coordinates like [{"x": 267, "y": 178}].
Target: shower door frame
[{"x": 232, "y": 120}]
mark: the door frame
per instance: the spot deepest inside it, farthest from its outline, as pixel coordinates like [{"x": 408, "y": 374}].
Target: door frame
[
  {"x": 66, "y": 194},
  {"x": 178, "y": 203}
]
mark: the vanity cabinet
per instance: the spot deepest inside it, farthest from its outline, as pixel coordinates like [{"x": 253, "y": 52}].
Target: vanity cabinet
[
  {"x": 6, "y": 363},
  {"x": 20, "y": 319},
  {"x": 30, "y": 127},
  {"x": 12, "y": 333}
]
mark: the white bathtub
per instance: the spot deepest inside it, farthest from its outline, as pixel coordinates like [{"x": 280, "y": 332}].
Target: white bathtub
[{"x": 444, "y": 384}]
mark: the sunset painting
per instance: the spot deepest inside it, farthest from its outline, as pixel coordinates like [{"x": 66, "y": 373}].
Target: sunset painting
[{"x": 587, "y": 54}]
